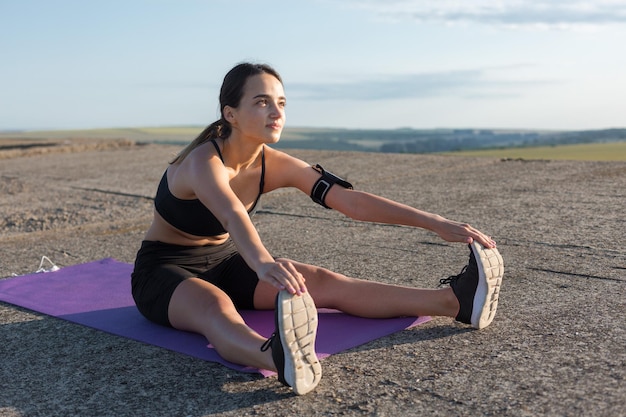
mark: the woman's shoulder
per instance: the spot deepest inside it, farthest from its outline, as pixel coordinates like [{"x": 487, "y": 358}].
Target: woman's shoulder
[
  {"x": 282, "y": 159},
  {"x": 203, "y": 155},
  {"x": 285, "y": 170},
  {"x": 202, "y": 164}
]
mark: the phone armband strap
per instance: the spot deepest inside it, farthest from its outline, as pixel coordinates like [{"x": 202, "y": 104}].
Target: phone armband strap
[{"x": 324, "y": 184}]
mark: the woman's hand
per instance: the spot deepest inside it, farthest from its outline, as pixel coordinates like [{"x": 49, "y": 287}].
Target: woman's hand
[
  {"x": 282, "y": 275},
  {"x": 453, "y": 231}
]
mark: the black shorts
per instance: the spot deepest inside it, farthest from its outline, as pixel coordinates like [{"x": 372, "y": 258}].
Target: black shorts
[{"x": 160, "y": 267}]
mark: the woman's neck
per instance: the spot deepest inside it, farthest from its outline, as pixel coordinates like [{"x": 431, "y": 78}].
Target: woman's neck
[{"x": 240, "y": 153}]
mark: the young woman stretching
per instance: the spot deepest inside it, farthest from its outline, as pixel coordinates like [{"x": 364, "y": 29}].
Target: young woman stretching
[{"x": 202, "y": 259}]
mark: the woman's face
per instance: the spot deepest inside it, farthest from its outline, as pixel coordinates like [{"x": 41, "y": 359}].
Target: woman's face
[{"x": 261, "y": 111}]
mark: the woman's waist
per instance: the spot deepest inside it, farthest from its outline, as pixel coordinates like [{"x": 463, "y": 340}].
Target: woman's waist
[
  {"x": 161, "y": 231},
  {"x": 158, "y": 252}
]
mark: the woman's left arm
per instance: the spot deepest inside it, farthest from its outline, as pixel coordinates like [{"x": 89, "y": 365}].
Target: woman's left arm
[
  {"x": 368, "y": 207},
  {"x": 287, "y": 171}
]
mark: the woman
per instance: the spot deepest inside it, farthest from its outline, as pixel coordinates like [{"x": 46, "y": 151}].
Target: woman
[{"x": 202, "y": 259}]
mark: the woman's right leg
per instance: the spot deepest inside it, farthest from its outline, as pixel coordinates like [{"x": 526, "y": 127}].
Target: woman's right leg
[{"x": 200, "y": 307}]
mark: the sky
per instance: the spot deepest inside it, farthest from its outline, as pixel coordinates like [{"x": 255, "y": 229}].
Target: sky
[{"x": 359, "y": 64}]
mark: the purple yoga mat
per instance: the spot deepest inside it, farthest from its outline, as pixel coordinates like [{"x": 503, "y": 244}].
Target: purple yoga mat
[{"x": 97, "y": 294}]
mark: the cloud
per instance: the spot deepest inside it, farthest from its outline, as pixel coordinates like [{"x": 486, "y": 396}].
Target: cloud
[
  {"x": 515, "y": 14},
  {"x": 464, "y": 83}
]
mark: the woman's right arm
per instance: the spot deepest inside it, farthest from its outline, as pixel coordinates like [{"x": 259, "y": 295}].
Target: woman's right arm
[{"x": 208, "y": 178}]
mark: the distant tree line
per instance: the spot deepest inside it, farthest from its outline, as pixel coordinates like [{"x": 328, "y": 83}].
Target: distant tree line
[{"x": 442, "y": 140}]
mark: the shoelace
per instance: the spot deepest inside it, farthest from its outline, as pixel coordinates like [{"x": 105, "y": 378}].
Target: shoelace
[
  {"x": 266, "y": 345},
  {"x": 452, "y": 278}
]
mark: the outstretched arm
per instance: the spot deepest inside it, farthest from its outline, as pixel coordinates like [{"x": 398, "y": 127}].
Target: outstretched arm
[
  {"x": 372, "y": 208},
  {"x": 291, "y": 172}
]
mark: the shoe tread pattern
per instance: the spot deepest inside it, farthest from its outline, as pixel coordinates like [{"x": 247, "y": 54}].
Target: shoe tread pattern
[
  {"x": 491, "y": 271},
  {"x": 299, "y": 328}
]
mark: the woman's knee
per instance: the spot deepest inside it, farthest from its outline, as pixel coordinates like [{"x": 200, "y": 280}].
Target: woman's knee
[{"x": 324, "y": 285}]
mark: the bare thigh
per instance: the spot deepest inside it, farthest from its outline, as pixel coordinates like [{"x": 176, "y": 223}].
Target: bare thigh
[
  {"x": 201, "y": 307},
  {"x": 322, "y": 284}
]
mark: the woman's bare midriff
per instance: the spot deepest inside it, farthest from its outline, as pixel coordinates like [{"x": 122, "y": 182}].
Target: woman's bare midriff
[{"x": 161, "y": 231}]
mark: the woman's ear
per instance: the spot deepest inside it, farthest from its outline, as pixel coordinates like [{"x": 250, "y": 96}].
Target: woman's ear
[{"x": 229, "y": 114}]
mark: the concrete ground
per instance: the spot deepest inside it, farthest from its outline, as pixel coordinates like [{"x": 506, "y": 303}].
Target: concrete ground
[{"x": 555, "y": 348}]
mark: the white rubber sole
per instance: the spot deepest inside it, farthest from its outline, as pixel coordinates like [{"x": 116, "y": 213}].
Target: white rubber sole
[
  {"x": 297, "y": 325},
  {"x": 490, "y": 273}
]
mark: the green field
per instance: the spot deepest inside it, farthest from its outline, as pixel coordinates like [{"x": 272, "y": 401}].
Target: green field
[
  {"x": 177, "y": 134},
  {"x": 607, "y": 145},
  {"x": 614, "y": 151},
  {"x": 166, "y": 134}
]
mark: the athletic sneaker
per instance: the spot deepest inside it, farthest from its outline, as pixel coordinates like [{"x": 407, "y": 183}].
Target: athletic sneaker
[
  {"x": 477, "y": 287},
  {"x": 293, "y": 342}
]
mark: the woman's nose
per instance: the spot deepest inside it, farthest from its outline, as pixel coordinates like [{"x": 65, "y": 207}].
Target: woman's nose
[{"x": 276, "y": 111}]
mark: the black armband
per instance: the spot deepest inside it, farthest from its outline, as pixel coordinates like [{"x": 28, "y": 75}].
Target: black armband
[{"x": 324, "y": 183}]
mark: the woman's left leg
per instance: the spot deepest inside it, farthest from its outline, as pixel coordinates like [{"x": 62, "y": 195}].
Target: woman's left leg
[{"x": 364, "y": 298}]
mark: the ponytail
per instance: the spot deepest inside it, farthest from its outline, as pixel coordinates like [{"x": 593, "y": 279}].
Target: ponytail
[{"x": 219, "y": 129}]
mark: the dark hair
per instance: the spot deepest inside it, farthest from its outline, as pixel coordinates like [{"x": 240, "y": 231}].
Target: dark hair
[{"x": 231, "y": 93}]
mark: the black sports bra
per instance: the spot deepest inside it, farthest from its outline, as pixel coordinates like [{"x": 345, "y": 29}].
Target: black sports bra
[{"x": 191, "y": 216}]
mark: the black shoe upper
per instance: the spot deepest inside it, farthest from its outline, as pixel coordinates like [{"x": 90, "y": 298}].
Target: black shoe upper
[
  {"x": 464, "y": 286},
  {"x": 278, "y": 354}
]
